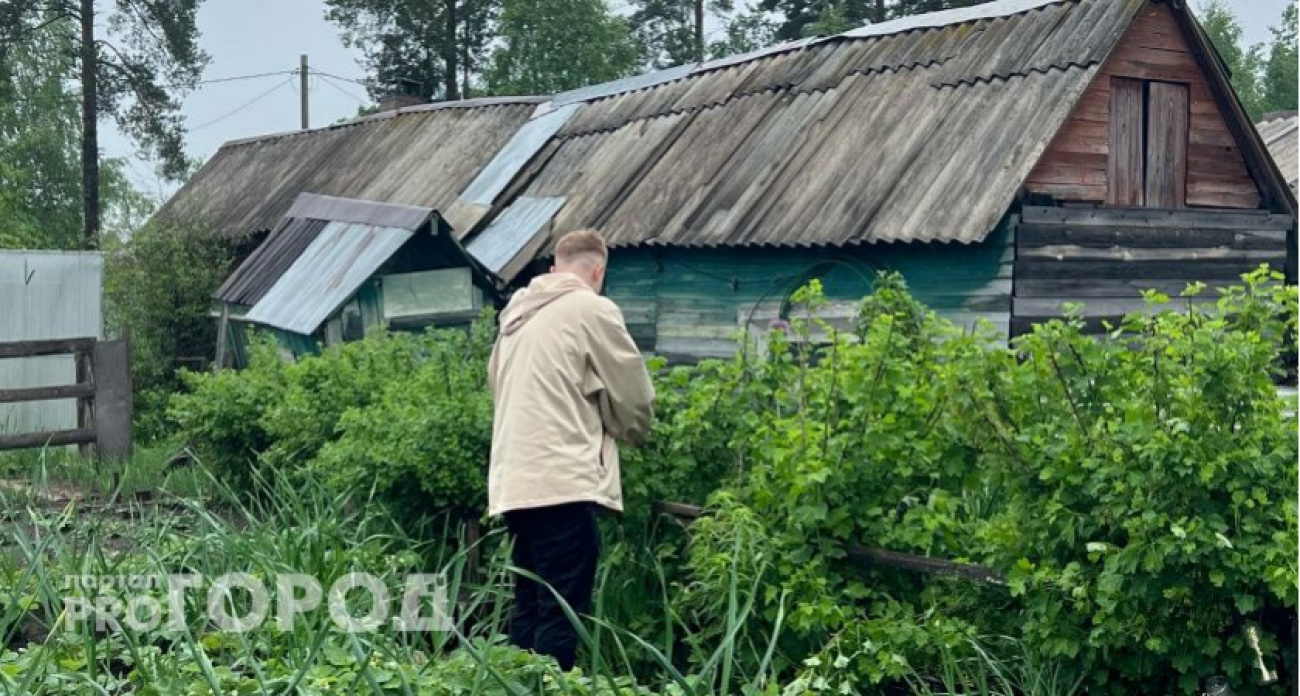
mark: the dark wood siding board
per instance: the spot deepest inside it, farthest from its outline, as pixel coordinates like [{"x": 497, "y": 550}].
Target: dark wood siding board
[
  {"x": 1093, "y": 288},
  {"x": 1031, "y": 235},
  {"x": 1167, "y": 114},
  {"x": 1125, "y": 168},
  {"x": 1171, "y": 254},
  {"x": 1105, "y": 306},
  {"x": 1118, "y": 270},
  {"x": 1143, "y": 217}
]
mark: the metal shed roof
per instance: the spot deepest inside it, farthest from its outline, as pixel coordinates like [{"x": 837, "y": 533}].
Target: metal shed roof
[{"x": 330, "y": 270}]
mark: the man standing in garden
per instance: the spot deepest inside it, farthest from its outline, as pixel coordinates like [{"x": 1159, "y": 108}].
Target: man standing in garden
[{"x": 567, "y": 381}]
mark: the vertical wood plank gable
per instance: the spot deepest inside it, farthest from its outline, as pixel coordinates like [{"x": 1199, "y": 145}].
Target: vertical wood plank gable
[
  {"x": 1153, "y": 49},
  {"x": 1166, "y": 184},
  {"x": 1125, "y": 171}
]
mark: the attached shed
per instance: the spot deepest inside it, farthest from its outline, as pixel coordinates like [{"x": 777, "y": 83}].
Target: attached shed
[
  {"x": 1006, "y": 158},
  {"x": 334, "y": 269}
]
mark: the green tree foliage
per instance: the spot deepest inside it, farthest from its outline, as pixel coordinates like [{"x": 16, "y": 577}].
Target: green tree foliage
[
  {"x": 410, "y": 40},
  {"x": 40, "y": 157},
  {"x": 130, "y": 62},
  {"x": 1264, "y": 81},
  {"x": 550, "y": 46},
  {"x": 744, "y": 32},
  {"x": 158, "y": 286},
  {"x": 832, "y": 20},
  {"x": 1280, "y": 74},
  {"x": 1244, "y": 63}
]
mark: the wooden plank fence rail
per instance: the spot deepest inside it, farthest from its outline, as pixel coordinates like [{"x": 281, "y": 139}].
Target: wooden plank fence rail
[
  {"x": 102, "y": 391},
  {"x": 875, "y": 556}
]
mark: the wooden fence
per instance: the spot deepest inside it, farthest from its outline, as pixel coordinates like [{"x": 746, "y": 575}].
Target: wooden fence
[{"x": 102, "y": 391}]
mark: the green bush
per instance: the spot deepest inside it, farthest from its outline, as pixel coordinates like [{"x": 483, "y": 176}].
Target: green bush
[
  {"x": 222, "y": 415},
  {"x": 423, "y": 443},
  {"x": 1137, "y": 491},
  {"x": 158, "y": 286}
]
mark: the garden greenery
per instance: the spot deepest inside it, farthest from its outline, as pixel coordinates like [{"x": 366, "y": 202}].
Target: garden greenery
[{"x": 1136, "y": 490}]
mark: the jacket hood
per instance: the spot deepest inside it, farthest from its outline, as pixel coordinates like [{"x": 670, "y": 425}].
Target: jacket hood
[{"x": 544, "y": 289}]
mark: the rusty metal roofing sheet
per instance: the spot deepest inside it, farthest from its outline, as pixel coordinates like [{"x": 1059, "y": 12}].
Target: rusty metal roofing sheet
[
  {"x": 422, "y": 157},
  {"x": 329, "y": 271},
  {"x": 513, "y": 232}
]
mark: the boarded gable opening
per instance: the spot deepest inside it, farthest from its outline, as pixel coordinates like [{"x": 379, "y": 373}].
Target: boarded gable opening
[
  {"x": 1152, "y": 72},
  {"x": 1148, "y": 144}
]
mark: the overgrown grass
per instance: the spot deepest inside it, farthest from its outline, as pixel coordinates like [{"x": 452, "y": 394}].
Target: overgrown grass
[{"x": 304, "y": 528}]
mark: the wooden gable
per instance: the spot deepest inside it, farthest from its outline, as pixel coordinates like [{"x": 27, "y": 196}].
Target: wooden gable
[{"x": 1148, "y": 131}]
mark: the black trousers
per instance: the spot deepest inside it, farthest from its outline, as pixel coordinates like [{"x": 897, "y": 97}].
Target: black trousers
[{"x": 560, "y": 544}]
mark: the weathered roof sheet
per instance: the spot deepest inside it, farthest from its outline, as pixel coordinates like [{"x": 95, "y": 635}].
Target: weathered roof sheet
[
  {"x": 1281, "y": 134},
  {"x": 918, "y": 130},
  {"x": 422, "y": 156},
  {"x": 329, "y": 271},
  {"x": 506, "y": 240}
]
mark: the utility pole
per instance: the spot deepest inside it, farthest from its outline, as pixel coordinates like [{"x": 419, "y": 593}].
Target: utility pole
[
  {"x": 699, "y": 31},
  {"x": 302, "y": 80}
]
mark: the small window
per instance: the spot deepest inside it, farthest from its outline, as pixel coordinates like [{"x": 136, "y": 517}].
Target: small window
[{"x": 1148, "y": 143}]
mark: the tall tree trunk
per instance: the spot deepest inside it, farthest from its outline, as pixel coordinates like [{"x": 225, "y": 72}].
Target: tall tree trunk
[
  {"x": 89, "y": 127},
  {"x": 879, "y": 15},
  {"x": 699, "y": 31},
  {"x": 453, "y": 91}
]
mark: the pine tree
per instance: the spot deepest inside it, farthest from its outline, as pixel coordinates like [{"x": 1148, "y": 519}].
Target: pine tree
[
  {"x": 132, "y": 63},
  {"x": 1280, "y": 74},
  {"x": 551, "y": 46},
  {"x": 443, "y": 45}
]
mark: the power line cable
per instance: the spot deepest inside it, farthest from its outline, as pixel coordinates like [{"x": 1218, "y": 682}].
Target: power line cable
[
  {"x": 346, "y": 93},
  {"x": 338, "y": 77},
  {"x": 243, "y": 106}
]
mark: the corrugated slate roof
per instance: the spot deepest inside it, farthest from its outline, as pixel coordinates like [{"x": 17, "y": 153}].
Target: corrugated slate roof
[
  {"x": 1281, "y": 134},
  {"x": 422, "y": 156},
  {"x": 918, "y": 130}
]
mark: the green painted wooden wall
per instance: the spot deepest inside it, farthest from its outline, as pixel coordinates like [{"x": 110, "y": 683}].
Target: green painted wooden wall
[{"x": 689, "y": 303}]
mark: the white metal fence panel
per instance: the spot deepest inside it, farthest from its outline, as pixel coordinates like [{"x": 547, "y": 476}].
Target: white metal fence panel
[{"x": 43, "y": 295}]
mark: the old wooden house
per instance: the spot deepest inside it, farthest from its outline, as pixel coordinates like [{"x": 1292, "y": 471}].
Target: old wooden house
[{"x": 1006, "y": 158}]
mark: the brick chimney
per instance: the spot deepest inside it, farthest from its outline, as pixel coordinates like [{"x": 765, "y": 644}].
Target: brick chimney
[{"x": 404, "y": 93}]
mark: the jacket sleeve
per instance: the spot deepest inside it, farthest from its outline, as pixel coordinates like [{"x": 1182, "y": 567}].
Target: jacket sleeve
[{"x": 619, "y": 378}]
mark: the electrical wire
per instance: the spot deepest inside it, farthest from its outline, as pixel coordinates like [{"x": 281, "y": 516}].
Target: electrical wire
[
  {"x": 346, "y": 93},
  {"x": 243, "y": 106},
  {"x": 339, "y": 77}
]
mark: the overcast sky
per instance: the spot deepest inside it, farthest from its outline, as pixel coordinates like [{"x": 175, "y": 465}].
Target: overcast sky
[{"x": 248, "y": 37}]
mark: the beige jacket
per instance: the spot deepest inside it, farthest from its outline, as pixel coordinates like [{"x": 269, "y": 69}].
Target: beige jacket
[{"x": 566, "y": 381}]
